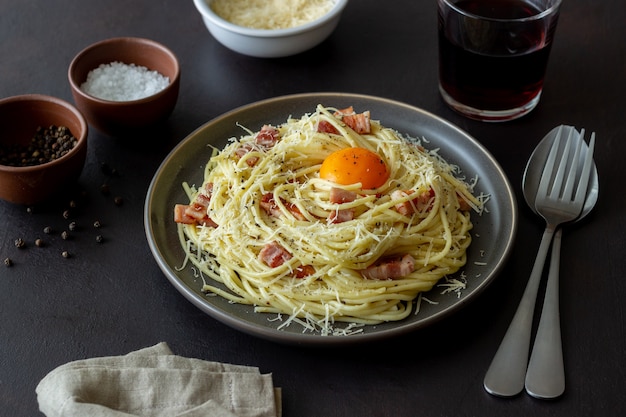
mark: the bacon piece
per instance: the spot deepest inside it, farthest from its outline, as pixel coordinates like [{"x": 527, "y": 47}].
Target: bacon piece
[
  {"x": 295, "y": 211},
  {"x": 268, "y": 204},
  {"x": 423, "y": 201},
  {"x": 339, "y": 195},
  {"x": 304, "y": 271},
  {"x": 181, "y": 216},
  {"x": 326, "y": 127},
  {"x": 359, "y": 122},
  {"x": 342, "y": 112},
  {"x": 340, "y": 216},
  {"x": 196, "y": 212},
  {"x": 203, "y": 200},
  {"x": 243, "y": 150},
  {"x": 264, "y": 139},
  {"x": 274, "y": 255},
  {"x": 406, "y": 207},
  {"x": 192, "y": 214},
  {"x": 267, "y": 137},
  {"x": 390, "y": 268}
]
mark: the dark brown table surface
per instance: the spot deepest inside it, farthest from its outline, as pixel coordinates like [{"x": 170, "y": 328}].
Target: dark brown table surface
[{"x": 111, "y": 298}]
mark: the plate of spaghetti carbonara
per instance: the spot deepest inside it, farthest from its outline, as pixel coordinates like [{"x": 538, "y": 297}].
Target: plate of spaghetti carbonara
[{"x": 329, "y": 218}]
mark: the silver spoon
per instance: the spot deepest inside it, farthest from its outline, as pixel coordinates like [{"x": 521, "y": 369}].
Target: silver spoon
[{"x": 545, "y": 376}]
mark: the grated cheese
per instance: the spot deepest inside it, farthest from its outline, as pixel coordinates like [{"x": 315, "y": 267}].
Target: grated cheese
[
  {"x": 271, "y": 14},
  {"x": 454, "y": 285},
  {"x": 335, "y": 293}
]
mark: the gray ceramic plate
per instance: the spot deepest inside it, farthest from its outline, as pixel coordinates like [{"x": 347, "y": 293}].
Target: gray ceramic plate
[{"x": 494, "y": 231}]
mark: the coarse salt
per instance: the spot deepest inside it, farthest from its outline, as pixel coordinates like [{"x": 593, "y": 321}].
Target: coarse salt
[{"x": 123, "y": 82}]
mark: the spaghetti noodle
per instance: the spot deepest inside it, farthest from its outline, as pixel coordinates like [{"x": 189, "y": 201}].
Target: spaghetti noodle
[{"x": 276, "y": 235}]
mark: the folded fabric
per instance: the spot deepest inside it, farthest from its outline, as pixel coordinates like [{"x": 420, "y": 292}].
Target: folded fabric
[{"x": 153, "y": 382}]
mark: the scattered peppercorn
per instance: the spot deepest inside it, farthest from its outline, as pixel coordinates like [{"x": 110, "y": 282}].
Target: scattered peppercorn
[
  {"x": 72, "y": 226},
  {"x": 65, "y": 235},
  {"x": 104, "y": 189},
  {"x": 30, "y": 210},
  {"x": 38, "y": 242},
  {"x": 99, "y": 239},
  {"x": 8, "y": 262},
  {"x": 47, "y": 230},
  {"x": 106, "y": 169},
  {"x": 72, "y": 204},
  {"x": 97, "y": 224},
  {"x": 118, "y": 201},
  {"x": 66, "y": 214},
  {"x": 65, "y": 254},
  {"x": 19, "y": 243},
  {"x": 46, "y": 145}
]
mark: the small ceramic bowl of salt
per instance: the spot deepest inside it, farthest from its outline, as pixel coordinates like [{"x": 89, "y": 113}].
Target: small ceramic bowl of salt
[{"x": 124, "y": 85}]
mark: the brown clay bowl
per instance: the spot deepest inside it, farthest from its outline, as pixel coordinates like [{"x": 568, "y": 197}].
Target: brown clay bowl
[
  {"x": 122, "y": 118},
  {"x": 20, "y": 116}
]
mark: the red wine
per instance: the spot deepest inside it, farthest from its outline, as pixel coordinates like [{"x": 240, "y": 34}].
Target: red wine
[{"x": 487, "y": 67}]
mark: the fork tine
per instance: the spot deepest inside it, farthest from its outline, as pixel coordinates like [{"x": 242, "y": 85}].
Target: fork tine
[
  {"x": 546, "y": 175},
  {"x": 585, "y": 175},
  {"x": 560, "y": 175},
  {"x": 572, "y": 177}
]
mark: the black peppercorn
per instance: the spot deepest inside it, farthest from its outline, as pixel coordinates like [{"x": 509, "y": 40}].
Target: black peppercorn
[
  {"x": 99, "y": 239},
  {"x": 19, "y": 243},
  {"x": 65, "y": 235},
  {"x": 46, "y": 145},
  {"x": 8, "y": 262},
  {"x": 38, "y": 243},
  {"x": 65, "y": 254},
  {"x": 106, "y": 169}
]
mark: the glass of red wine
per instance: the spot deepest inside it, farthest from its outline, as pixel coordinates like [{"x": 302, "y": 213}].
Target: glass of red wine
[{"x": 493, "y": 55}]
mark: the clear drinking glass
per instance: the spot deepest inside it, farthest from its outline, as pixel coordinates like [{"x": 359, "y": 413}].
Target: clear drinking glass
[{"x": 493, "y": 55}]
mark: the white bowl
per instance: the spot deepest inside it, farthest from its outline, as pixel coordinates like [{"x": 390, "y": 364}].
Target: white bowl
[{"x": 265, "y": 43}]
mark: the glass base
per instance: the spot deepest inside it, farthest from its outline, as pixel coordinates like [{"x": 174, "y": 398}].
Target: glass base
[{"x": 489, "y": 115}]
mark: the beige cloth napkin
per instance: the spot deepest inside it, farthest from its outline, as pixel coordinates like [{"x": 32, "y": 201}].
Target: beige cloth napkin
[{"x": 153, "y": 382}]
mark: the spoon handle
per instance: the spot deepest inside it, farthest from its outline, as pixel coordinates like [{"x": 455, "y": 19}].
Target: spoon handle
[
  {"x": 545, "y": 377},
  {"x": 505, "y": 376}
]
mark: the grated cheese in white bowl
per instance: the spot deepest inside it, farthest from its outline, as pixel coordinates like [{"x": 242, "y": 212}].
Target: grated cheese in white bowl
[
  {"x": 270, "y": 28},
  {"x": 271, "y": 14}
]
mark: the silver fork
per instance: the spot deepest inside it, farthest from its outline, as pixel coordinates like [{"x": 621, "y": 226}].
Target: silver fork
[
  {"x": 545, "y": 376},
  {"x": 556, "y": 204}
]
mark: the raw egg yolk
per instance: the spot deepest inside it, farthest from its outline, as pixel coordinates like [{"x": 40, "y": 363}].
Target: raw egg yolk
[{"x": 352, "y": 165}]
